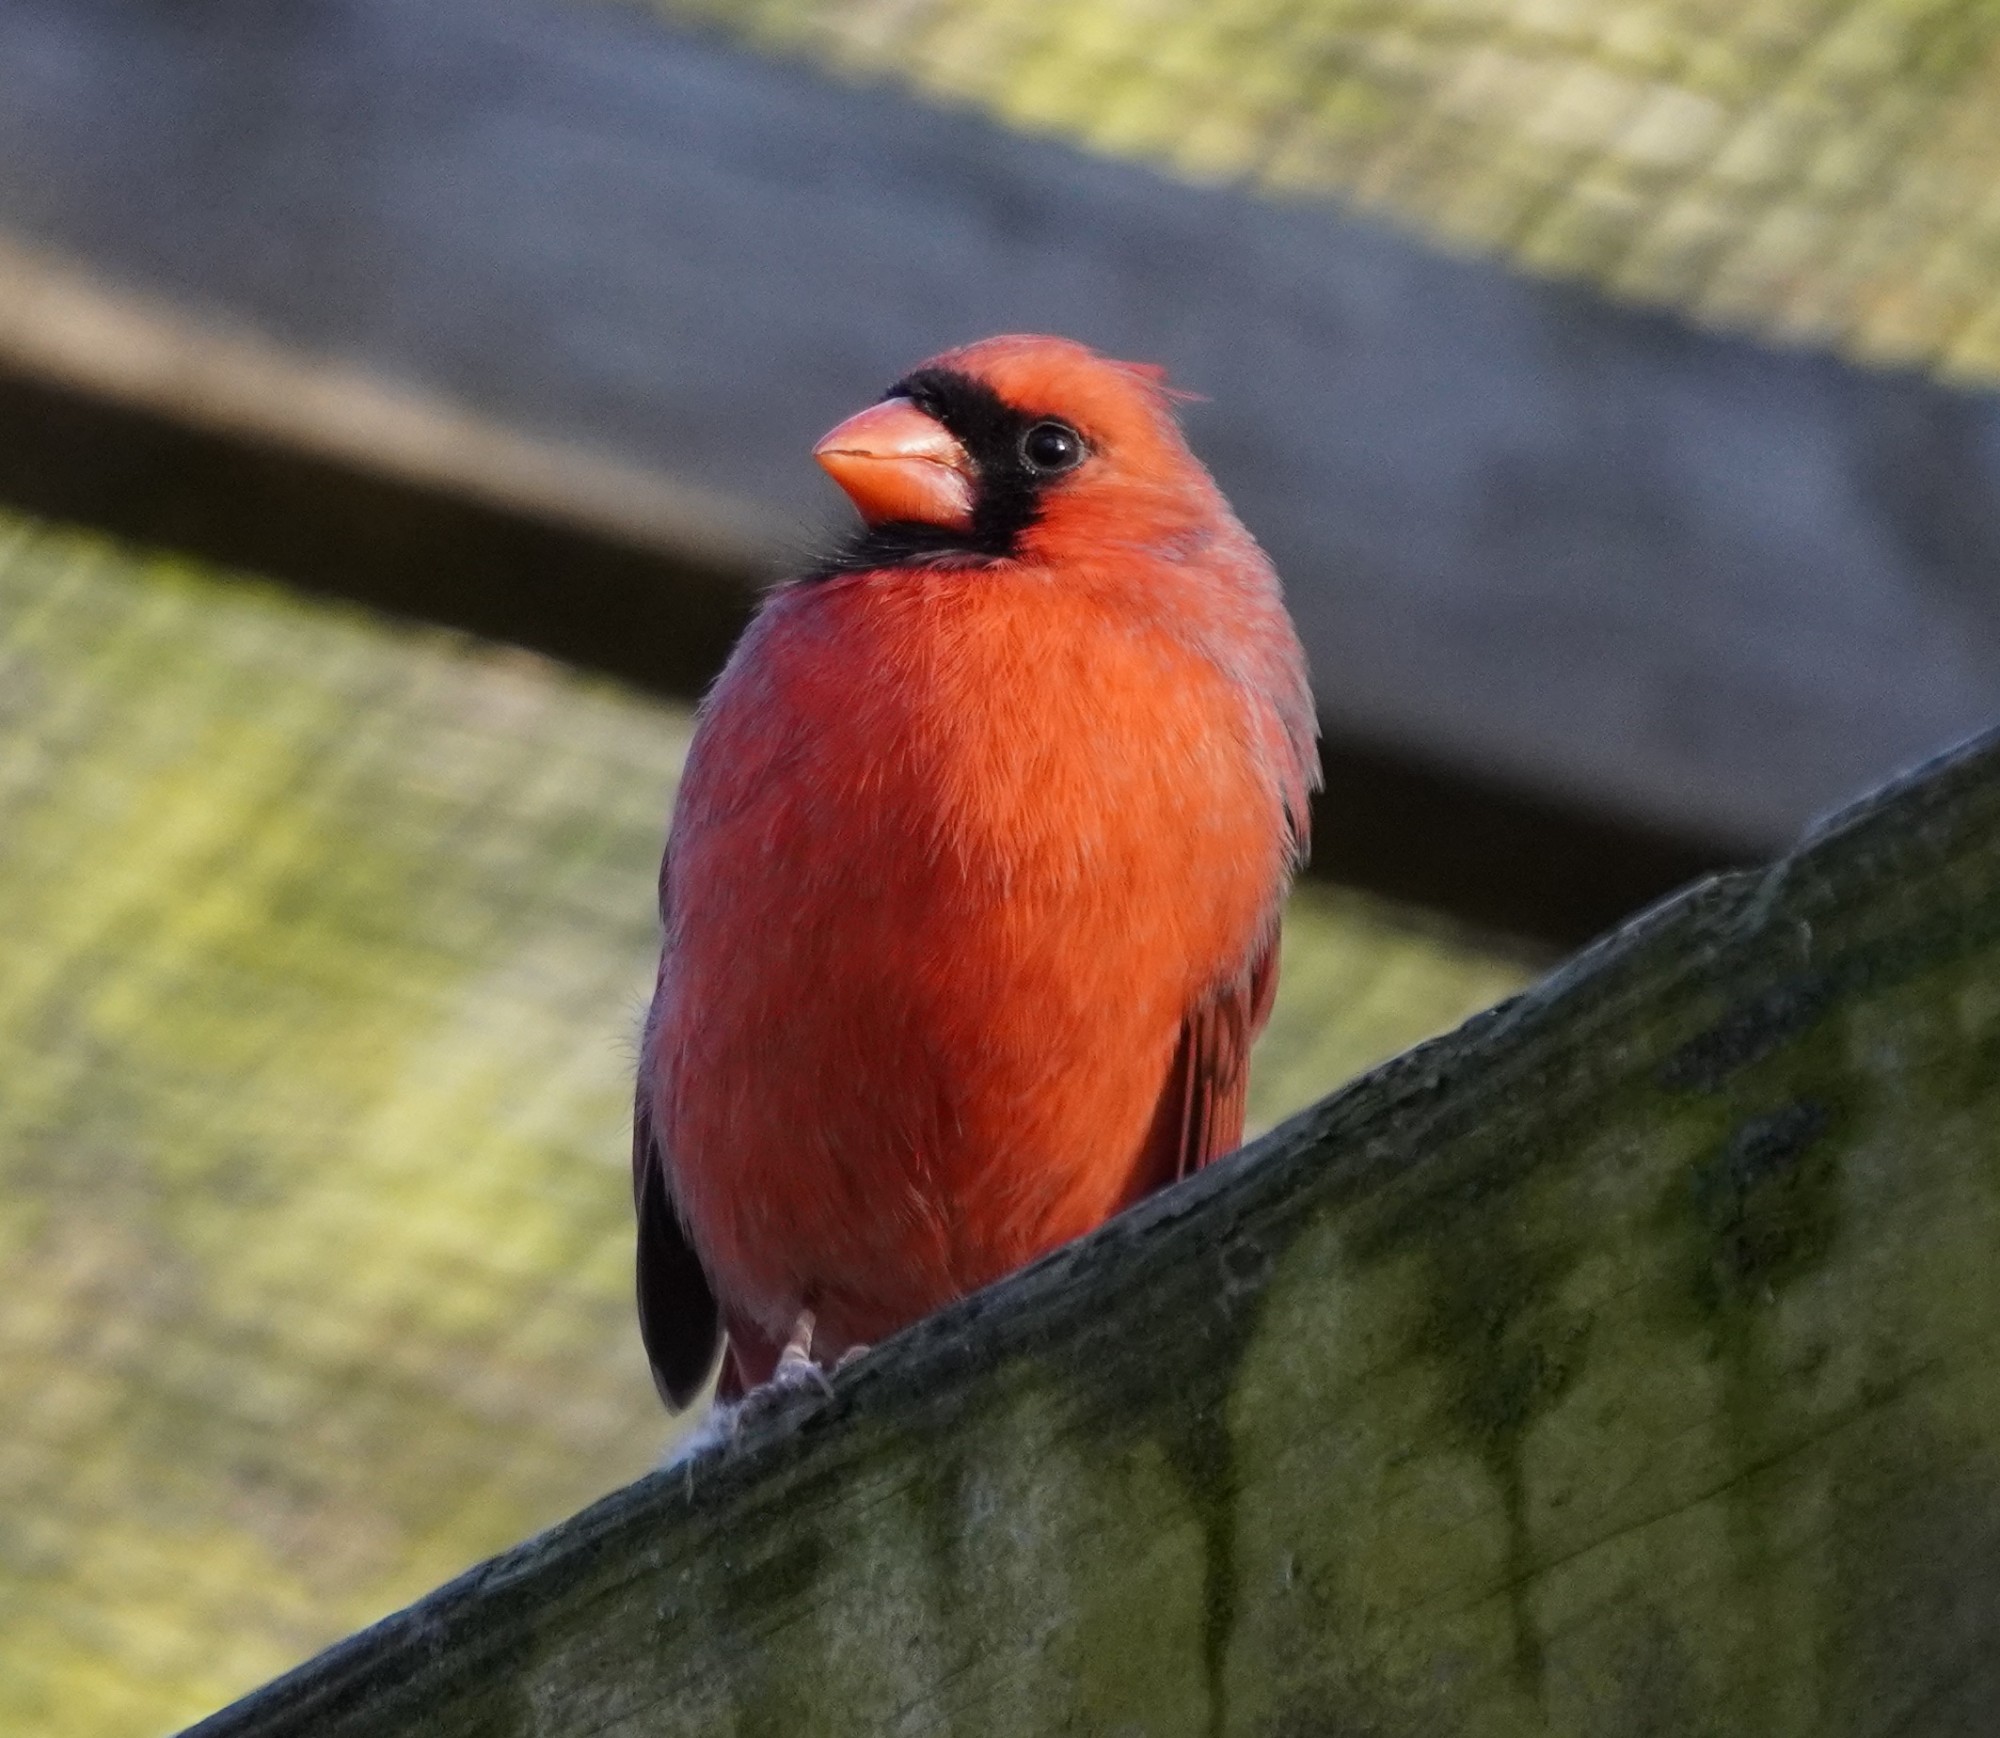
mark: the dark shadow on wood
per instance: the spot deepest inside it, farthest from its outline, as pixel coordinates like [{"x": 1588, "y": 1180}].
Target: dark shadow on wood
[
  {"x": 1500, "y": 859},
  {"x": 659, "y": 620}
]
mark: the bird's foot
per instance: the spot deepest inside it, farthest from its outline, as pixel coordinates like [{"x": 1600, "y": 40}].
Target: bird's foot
[
  {"x": 796, "y": 1366},
  {"x": 795, "y": 1369}
]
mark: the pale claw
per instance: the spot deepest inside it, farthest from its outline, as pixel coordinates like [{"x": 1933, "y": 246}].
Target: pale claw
[{"x": 796, "y": 1367}]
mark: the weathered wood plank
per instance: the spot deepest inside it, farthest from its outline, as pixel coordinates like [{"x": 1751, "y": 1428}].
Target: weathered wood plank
[
  {"x": 1628, "y": 1362},
  {"x": 1571, "y": 550}
]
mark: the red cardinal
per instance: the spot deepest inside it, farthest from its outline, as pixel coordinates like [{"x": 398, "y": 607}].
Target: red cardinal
[{"x": 972, "y": 893}]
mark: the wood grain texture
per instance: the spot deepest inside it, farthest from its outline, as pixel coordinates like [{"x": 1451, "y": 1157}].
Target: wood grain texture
[
  {"x": 1628, "y": 1362},
  {"x": 1586, "y": 553}
]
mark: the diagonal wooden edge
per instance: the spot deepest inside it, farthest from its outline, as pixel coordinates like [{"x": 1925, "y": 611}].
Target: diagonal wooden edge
[{"x": 1686, "y": 1003}]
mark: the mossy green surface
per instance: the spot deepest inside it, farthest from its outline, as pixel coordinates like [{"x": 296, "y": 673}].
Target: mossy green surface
[
  {"x": 322, "y": 943},
  {"x": 321, "y": 954},
  {"x": 1627, "y": 1362}
]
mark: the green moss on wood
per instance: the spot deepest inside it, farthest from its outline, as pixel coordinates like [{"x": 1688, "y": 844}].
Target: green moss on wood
[{"x": 1627, "y": 1363}]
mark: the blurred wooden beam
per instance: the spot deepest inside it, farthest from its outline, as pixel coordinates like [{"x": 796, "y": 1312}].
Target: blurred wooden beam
[
  {"x": 661, "y": 616},
  {"x": 1503, "y": 859},
  {"x": 1633, "y": 597}
]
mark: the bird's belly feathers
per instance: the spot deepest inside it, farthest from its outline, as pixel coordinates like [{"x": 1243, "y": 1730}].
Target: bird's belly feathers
[{"x": 920, "y": 1002}]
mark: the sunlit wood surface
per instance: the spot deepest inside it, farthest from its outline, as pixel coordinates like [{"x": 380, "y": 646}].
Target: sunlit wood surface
[{"x": 324, "y": 941}]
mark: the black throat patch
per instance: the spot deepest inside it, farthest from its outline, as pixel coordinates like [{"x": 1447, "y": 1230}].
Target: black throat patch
[{"x": 1007, "y": 490}]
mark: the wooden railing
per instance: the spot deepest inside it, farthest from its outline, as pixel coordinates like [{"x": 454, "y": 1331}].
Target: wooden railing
[{"x": 1626, "y": 1362}]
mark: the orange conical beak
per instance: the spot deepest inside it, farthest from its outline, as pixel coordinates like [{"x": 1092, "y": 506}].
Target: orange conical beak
[{"x": 896, "y": 462}]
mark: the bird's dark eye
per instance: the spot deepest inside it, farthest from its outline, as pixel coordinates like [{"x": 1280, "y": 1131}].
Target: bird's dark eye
[{"x": 1052, "y": 446}]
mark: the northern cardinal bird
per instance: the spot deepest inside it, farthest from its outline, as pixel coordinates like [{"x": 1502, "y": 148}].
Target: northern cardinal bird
[{"x": 972, "y": 891}]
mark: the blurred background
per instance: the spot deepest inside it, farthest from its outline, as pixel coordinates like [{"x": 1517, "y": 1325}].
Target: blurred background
[{"x": 400, "y": 405}]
